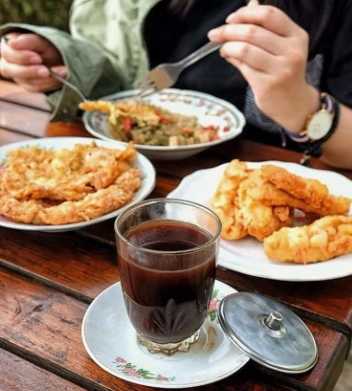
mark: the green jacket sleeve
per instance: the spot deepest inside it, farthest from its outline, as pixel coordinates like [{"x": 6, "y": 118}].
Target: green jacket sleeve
[
  {"x": 88, "y": 68},
  {"x": 104, "y": 52}
]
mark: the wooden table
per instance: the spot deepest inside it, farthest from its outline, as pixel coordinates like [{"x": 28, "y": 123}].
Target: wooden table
[{"x": 47, "y": 282}]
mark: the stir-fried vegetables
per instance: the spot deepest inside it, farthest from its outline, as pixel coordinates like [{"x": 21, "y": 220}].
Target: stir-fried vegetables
[{"x": 151, "y": 125}]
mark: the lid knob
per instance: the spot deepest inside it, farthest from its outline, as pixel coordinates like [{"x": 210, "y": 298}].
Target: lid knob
[
  {"x": 274, "y": 324},
  {"x": 274, "y": 320}
]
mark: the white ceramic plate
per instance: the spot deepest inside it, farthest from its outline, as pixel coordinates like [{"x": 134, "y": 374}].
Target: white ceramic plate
[
  {"x": 148, "y": 179},
  {"x": 247, "y": 255},
  {"x": 208, "y": 109},
  {"x": 110, "y": 340}
]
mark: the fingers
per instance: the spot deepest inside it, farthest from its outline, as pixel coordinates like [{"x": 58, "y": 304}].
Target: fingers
[
  {"x": 22, "y": 60},
  {"x": 20, "y": 63},
  {"x": 249, "y": 47},
  {"x": 269, "y": 17},
  {"x": 21, "y": 57},
  {"x": 39, "y": 85},
  {"x": 28, "y": 42},
  {"x": 251, "y": 34},
  {"x": 262, "y": 38},
  {"x": 36, "y": 46},
  {"x": 38, "y": 78},
  {"x": 270, "y": 51}
]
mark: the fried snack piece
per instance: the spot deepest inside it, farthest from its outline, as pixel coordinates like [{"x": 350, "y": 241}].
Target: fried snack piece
[
  {"x": 224, "y": 202},
  {"x": 324, "y": 239},
  {"x": 124, "y": 109},
  {"x": 308, "y": 195},
  {"x": 91, "y": 206},
  {"x": 266, "y": 193},
  {"x": 260, "y": 202},
  {"x": 240, "y": 214},
  {"x": 258, "y": 219},
  {"x": 104, "y": 106},
  {"x": 40, "y": 186},
  {"x": 65, "y": 174}
]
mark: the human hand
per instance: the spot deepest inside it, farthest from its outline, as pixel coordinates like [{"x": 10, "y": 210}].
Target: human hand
[
  {"x": 270, "y": 51},
  {"x": 22, "y": 59}
]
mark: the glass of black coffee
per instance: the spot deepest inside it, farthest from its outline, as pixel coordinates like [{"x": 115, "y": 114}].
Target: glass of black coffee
[{"x": 167, "y": 253}]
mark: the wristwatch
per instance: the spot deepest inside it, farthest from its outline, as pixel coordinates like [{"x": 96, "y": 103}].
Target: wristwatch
[
  {"x": 319, "y": 123},
  {"x": 319, "y": 127}
]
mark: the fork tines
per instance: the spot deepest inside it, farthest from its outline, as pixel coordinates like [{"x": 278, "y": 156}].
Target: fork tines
[{"x": 155, "y": 80}]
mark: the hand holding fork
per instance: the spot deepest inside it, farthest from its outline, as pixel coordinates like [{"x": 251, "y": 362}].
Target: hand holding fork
[
  {"x": 166, "y": 75},
  {"x": 5, "y": 39}
]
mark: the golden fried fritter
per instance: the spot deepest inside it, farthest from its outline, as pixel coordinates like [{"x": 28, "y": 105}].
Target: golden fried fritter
[
  {"x": 130, "y": 108},
  {"x": 308, "y": 195},
  {"x": 259, "y": 219},
  {"x": 324, "y": 239},
  {"x": 267, "y": 202},
  {"x": 41, "y": 186},
  {"x": 65, "y": 174},
  {"x": 224, "y": 202},
  {"x": 97, "y": 105}
]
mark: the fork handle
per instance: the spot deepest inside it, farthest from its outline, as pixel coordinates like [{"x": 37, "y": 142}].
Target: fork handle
[
  {"x": 67, "y": 83},
  {"x": 208, "y": 48}
]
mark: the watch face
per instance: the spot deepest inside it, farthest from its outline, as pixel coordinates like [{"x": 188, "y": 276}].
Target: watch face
[{"x": 319, "y": 125}]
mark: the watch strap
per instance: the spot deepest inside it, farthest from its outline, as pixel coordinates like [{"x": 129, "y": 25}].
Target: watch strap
[{"x": 313, "y": 147}]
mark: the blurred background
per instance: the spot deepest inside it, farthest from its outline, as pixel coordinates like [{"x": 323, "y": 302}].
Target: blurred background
[{"x": 40, "y": 12}]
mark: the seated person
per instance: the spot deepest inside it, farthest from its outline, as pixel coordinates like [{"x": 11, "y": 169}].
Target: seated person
[{"x": 286, "y": 65}]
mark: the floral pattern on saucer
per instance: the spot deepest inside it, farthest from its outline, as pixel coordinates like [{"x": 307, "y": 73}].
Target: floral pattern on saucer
[
  {"x": 111, "y": 342},
  {"x": 214, "y": 305},
  {"x": 129, "y": 369}
]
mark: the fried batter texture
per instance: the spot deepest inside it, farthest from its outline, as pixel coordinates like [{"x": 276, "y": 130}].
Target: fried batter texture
[
  {"x": 264, "y": 202},
  {"x": 42, "y": 186},
  {"x": 259, "y": 219},
  {"x": 309, "y": 195},
  {"x": 225, "y": 200},
  {"x": 240, "y": 213},
  {"x": 324, "y": 239}
]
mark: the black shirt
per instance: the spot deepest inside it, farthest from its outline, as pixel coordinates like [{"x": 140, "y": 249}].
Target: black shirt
[{"x": 171, "y": 36}]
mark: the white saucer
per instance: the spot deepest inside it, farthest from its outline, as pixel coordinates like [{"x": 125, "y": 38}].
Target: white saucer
[{"x": 110, "y": 341}]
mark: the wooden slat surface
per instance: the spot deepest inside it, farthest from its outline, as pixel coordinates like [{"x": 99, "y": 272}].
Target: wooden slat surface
[
  {"x": 45, "y": 324},
  {"x": 36, "y": 378},
  {"x": 13, "y": 93}
]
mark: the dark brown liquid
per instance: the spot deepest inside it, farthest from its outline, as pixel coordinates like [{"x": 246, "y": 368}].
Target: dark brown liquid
[{"x": 168, "y": 304}]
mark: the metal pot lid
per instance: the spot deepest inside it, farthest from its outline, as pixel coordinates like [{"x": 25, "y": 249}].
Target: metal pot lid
[{"x": 268, "y": 332}]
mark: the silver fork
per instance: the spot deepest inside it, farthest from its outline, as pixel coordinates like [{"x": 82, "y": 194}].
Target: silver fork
[
  {"x": 67, "y": 83},
  {"x": 166, "y": 75}
]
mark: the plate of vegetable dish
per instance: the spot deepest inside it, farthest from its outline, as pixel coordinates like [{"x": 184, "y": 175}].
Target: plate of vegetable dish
[{"x": 169, "y": 125}]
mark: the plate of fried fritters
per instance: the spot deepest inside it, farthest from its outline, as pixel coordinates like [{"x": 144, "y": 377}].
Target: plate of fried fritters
[
  {"x": 281, "y": 221},
  {"x": 67, "y": 183}
]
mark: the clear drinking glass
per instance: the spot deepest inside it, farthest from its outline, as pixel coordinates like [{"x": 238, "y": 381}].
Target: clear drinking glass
[{"x": 167, "y": 253}]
